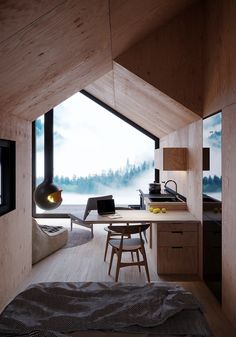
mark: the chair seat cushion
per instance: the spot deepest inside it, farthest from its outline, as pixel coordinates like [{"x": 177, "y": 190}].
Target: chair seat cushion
[{"x": 128, "y": 244}]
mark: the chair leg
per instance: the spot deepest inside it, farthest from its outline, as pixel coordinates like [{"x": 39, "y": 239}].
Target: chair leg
[
  {"x": 71, "y": 224},
  {"x": 118, "y": 265},
  {"x": 137, "y": 254},
  {"x": 106, "y": 247},
  {"x": 92, "y": 230},
  {"x": 145, "y": 263},
  {"x": 132, "y": 256},
  {"x": 111, "y": 259},
  {"x": 145, "y": 236}
]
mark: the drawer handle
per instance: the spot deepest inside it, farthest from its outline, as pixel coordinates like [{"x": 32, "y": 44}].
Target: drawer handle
[
  {"x": 177, "y": 232},
  {"x": 177, "y": 247}
]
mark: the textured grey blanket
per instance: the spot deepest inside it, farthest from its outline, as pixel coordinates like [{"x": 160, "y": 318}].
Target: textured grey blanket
[{"x": 67, "y": 307}]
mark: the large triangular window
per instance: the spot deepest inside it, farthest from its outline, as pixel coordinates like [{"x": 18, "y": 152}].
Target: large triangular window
[{"x": 95, "y": 153}]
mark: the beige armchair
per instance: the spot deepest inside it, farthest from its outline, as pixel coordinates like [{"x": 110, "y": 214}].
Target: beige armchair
[{"x": 46, "y": 240}]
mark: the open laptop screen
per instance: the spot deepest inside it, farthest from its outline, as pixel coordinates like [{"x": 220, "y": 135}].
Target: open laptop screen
[{"x": 106, "y": 206}]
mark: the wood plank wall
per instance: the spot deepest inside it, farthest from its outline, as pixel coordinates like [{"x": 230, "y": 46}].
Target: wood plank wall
[
  {"x": 228, "y": 212},
  {"x": 189, "y": 182},
  {"x": 220, "y": 94},
  {"x": 220, "y": 55},
  {"x": 15, "y": 227}
]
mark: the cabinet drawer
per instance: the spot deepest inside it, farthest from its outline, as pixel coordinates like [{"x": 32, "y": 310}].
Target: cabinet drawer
[
  {"x": 177, "y": 226},
  {"x": 177, "y": 238},
  {"x": 177, "y": 260}
]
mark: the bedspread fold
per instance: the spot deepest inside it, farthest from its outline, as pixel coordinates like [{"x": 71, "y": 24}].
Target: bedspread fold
[{"x": 68, "y": 307}]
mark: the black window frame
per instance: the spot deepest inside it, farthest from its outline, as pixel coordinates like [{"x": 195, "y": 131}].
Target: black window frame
[{"x": 113, "y": 111}]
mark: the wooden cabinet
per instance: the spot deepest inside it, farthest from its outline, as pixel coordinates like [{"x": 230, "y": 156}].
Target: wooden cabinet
[
  {"x": 171, "y": 159},
  {"x": 176, "y": 246}
]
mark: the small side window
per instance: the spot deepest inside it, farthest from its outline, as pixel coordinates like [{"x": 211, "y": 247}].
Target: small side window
[{"x": 7, "y": 176}]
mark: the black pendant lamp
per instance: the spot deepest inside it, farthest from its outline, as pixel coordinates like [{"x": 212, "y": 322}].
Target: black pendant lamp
[{"x": 47, "y": 195}]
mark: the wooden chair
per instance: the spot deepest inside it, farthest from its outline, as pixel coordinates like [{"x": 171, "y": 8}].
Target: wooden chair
[
  {"x": 112, "y": 234},
  {"x": 133, "y": 245}
]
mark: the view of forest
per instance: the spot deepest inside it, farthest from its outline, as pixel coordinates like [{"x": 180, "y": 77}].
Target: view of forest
[
  {"x": 93, "y": 184},
  {"x": 212, "y": 184}
]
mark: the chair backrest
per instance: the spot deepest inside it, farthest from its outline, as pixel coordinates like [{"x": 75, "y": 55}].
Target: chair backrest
[
  {"x": 92, "y": 203},
  {"x": 128, "y": 230}
]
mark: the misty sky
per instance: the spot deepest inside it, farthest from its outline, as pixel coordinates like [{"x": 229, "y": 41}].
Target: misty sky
[{"x": 89, "y": 139}]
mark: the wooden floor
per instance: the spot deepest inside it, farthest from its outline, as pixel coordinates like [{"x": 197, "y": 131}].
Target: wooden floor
[{"x": 85, "y": 263}]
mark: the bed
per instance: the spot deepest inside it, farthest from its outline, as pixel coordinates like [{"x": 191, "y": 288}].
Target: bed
[{"x": 80, "y": 309}]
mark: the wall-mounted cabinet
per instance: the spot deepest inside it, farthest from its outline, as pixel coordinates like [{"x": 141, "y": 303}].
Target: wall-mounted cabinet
[{"x": 171, "y": 159}]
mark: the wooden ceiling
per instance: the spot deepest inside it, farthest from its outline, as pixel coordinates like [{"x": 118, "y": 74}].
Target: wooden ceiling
[
  {"x": 133, "y": 20},
  {"x": 51, "y": 49},
  {"x": 141, "y": 102}
]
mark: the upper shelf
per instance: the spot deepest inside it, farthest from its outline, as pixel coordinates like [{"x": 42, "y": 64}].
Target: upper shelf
[{"x": 171, "y": 159}]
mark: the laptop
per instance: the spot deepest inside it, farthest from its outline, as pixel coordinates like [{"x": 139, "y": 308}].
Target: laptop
[{"x": 106, "y": 206}]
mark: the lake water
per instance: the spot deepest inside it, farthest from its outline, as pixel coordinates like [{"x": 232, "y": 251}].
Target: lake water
[
  {"x": 215, "y": 195},
  {"x": 123, "y": 196}
]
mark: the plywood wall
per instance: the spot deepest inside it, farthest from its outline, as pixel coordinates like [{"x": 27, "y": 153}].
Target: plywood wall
[
  {"x": 228, "y": 208},
  {"x": 189, "y": 182},
  {"x": 220, "y": 55},
  {"x": 15, "y": 227},
  {"x": 220, "y": 95}
]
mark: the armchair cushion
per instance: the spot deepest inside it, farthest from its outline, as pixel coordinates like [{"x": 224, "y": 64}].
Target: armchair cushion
[{"x": 46, "y": 240}]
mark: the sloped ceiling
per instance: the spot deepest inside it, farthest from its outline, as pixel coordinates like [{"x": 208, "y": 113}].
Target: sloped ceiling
[
  {"x": 51, "y": 49},
  {"x": 158, "y": 82},
  {"x": 49, "y": 53},
  {"x": 171, "y": 58},
  {"x": 133, "y": 20},
  {"x": 141, "y": 102}
]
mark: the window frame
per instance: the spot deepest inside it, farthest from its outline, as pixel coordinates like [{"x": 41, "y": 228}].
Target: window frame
[
  {"x": 108, "y": 108},
  {"x": 8, "y": 176}
]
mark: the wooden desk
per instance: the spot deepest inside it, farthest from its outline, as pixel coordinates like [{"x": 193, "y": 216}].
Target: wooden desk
[
  {"x": 173, "y": 237},
  {"x": 139, "y": 216}
]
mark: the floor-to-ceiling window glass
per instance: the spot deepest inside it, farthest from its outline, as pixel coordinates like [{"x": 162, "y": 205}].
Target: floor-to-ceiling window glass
[
  {"x": 96, "y": 153},
  {"x": 39, "y": 144},
  {"x": 212, "y": 140},
  {"x": 212, "y": 196}
]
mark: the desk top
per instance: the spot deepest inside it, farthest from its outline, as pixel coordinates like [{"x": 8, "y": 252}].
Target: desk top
[{"x": 138, "y": 216}]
